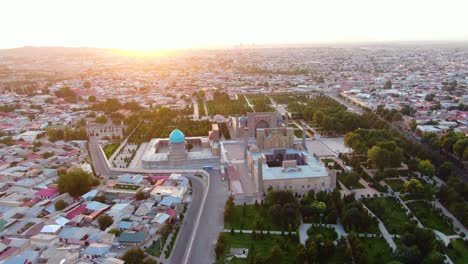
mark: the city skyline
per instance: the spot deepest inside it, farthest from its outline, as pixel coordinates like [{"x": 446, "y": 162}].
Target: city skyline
[{"x": 148, "y": 25}]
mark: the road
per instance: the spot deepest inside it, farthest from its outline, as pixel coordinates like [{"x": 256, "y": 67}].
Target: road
[
  {"x": 211, "y": 224},
  {"x": 203, "y": 220},
  {"x": 196, "y": 113}
]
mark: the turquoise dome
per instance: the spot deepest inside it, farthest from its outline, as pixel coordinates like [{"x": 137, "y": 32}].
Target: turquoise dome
[{"x": 176, "y": 136}]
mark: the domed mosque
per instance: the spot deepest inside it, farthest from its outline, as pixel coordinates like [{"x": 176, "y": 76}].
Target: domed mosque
[{"x": 181, "y": 152}]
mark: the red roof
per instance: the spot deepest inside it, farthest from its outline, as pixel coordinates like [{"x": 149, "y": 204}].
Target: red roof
[
  {"x": 46, "y": 192},
  {"x": 33, "y": 156},
  {"x": 78, "y": 210}
]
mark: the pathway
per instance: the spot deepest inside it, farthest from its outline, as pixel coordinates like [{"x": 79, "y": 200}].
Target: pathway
[
  {"x": 456, "y": 223},
  {"x": 265, "y": 231},
  {"x": 206, "y": 109},
  {"x": 249, "y": 104},
  {"x": 409, "y": 211},
  {"x": 196, "y": 113},
  {"x": 383, "y": 230}
]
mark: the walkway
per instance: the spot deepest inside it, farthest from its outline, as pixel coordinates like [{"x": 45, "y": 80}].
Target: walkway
[
  {"x": 249, "y": 104},
  {"x": 265, "y": 231},
  {"x": 383, "y": 230},
  {"x": 456, "y": 223}
]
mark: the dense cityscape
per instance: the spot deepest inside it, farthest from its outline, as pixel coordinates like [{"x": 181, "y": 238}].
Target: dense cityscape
[{"x": 251, "y": 154}]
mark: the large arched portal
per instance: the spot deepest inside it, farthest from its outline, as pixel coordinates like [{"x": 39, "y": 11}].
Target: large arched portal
[{"x": 262, "y": 124}]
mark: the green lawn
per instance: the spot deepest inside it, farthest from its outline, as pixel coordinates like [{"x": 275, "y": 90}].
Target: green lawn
[
  {"x": 395, "y": 184},
  {"x": 298, "y": 133},
  {"x": 262, "y": 246},
  {"x": 154, "y": 249},
  {"x": 245, "y": 218},
  {"x": 459, "y": 251},
  {"x": 377, "y": 250},
  {"x": 390, "y": 212},
  {"x": 126, "y": 187},
  {"x": 342, "y": 177},
  {"x": 110, "y": 149},
  {"x": 325, "y": 232},
  {"x": 429, "y": 218}
]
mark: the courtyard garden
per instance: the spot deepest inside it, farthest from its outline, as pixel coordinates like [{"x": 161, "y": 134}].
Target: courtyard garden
[
  {"x": 377, "y": 250},
  {"x": 246, "y": 217},
  {"x": 390, "y": 212},
  {"x": 324, "y": 232},
  {"x": 430, "y": 218},
  {"x": 110, "y": 149},
  {"x": 261, "y": 247},
  {"x": 458, "y": 251},
  {"x": 395, "y": 184}
]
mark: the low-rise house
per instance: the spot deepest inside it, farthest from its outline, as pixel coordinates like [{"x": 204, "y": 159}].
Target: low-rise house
[
  {"x": 95, "y": 251},
  {"x": 132, "y": 238}
]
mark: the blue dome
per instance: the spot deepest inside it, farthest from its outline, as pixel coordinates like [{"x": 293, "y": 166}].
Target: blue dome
[
  {"x": 176, "y": 136},
  {"x": 280, "y": 118}
]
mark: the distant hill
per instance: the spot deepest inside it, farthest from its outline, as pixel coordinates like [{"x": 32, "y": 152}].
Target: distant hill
[{"x": 30, "y": 51}]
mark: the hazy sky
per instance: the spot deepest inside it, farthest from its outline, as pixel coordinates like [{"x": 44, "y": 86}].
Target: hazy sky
[{"x": 135, "y": 24}]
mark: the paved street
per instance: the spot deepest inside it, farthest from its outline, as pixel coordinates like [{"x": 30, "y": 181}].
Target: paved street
[
  {"x": 195, "y": 243},
  {"x": 211, "y": 223}
]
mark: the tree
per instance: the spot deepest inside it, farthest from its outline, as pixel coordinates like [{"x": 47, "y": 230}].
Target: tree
[
  {"x": 47, "y": 155},
  {"x": 140, "y": 195},
  {"x": 388, "y": 85},
  {"x": 413, "y": 125},
  {"x": 60, "y": 205},
  {"x": 105, "y": 221},
  {"x": 92, "y": 98},
  {"x": 445, "y": 170},
  {"x": 101, "y": 119},
  {"x": 379, "y": 157},
  {"x": 429, "y": 97},
  {"x": 413, "y": 186},
  {"x": 86, "y": 84},
  {"x": 276, "y": 255},
  {"x": 229, "y": 208},
  {"x": 300, "y": 254},
  {"x": 426, "y": 168},
  {"x": 133, "y": 256},
  {"x": 76, "y": 182},
  {"x": 220, "y": 245}
]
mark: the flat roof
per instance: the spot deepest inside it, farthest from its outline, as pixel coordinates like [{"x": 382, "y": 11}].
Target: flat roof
[{"x": 313, "y": 169}]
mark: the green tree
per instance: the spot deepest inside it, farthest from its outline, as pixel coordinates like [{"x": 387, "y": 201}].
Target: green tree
[
  {"x": 413, "y": 125},
  {"x": 92, "y": 98},
  {"x": 276, "y": 255},
  {"x": 105, "y": 221},
  {"x": 86, "y": 84},
  {"x": 379, "y": 157},
  {"x": 133, "y": 256},
  {"x": 446, "y": 170},
  {"x": 413, "y": 186},
  {"x": 60, "y": 205},
  {"x": 76, "y": 182},
  {"x": 220, "y": 245},
  {"x": 426, "y": 168},
  {"x": 101, "y": 119}
]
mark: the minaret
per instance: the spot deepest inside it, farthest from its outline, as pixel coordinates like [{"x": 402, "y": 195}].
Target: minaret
[
  {"x": 260, "y": 175},
  {"x": 246, "y": 141},
  {"x": 304, "y": 135},
  {"x": 237, "y": 127},
  {"x": 286, "y": 120}
]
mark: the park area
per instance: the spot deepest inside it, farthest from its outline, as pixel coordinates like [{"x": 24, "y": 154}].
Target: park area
[
  {"x": 390, "y": 212},
  {"x": 395, "y": 184},
  {"x": 261, "y": 246},
  {"x": 245, "y": 216},
  {"x": 377, "y": 250},
  {"x": 430, "y": 218},
  {"x": 110, "y": 149},
  {"x": 458, "y": 251}
]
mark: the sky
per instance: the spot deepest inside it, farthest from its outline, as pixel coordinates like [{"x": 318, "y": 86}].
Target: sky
[{"x": 173, "y": 24}]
